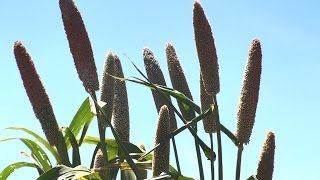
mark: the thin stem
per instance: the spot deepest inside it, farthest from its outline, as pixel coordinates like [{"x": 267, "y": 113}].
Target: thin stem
[
  {"x": 176, "y": 154},
  {"x": 238, "y": 169},
  {"x": 102, "y": 134},
  {"x": 211, "y": 161},
  {"x": 220, "y": 167},
  {"x": 199, "y": 158}
]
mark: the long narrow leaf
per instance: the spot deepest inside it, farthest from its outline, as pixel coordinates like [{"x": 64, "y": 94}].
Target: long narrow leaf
[
  {"x": 231, "y": 136},
  {"x": 76, "y": 160},
  {"x": 12, "y": 167},
  {"x": 40, "y": 139},
  {"x": 189, "y": 124},
  {"x": 36, "y": 150},
  {"x": 82, "y": 118},
  {"x": 112, "y": 146},
  {"x": 172, "y": 92},
  {"x": 192, "y": 122},
  {"x": 207, "y": 151},
  {"x": 67, "y": 173}
]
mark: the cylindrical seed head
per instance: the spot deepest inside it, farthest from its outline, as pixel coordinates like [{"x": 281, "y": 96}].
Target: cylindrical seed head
[
  {"x": 160, "y": 161},
  {"x": 107, "y": 86},
  {"x": 155, "y": 75},
  {"x": 209, "y": 122},
  {"x": 206, "y": 49},
  {"x": 99, "y": 163},
  {"x": 266, "y": 163},
  {"x": 120, "y": 113},
  {"x": 37, "y": 94},
  {"x": 79, "y": 44},
  {"x": 178, "y": 79},
  {"x": 249, "y": 94}
]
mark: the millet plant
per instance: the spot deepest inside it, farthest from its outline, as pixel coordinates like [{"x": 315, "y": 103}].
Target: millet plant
[{"x": 117, "y": 155}]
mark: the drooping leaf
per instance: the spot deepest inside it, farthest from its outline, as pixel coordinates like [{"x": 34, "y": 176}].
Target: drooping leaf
[
  {"x": 68, "y": 173},
  {"x": 112, "y": 146},
  {"x": 82, "y": 119},
  {"x": 192, "y": 122},
  {"x": 38, "y": 153},
  {"x": 187, "y": 103},
  {"x": 12, "y": 167},
  {"x": 40, "y": 139},
  {"x": 231, "y": 136},
  {"x": 76, "y": 160}
]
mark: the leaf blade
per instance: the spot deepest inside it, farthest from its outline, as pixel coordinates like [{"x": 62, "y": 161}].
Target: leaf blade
[
  {"x": 40, "y": 139},
  {"x": 39, "y": 154},
  {"x": 82, "y": 118},
  {"x": 12, "y": 167}
]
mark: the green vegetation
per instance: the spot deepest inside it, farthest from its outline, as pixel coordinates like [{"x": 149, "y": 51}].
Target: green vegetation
[{"x": 111, "y": 110}]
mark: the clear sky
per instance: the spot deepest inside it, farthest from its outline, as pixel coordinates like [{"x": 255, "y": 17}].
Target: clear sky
[{"x": 289, "y": 95}]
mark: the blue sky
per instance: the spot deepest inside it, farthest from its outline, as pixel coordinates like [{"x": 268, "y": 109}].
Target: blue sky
[{"x": 289, "y": 94}]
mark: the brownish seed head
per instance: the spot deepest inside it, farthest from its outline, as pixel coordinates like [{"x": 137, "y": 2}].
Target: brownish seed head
[
  {"x": 160, "y": 161},
  {"x": 37, "y": 94},
  {"x": 155, "y": 75},
  {"x": 99, "y": 163},
  {"x": 107, "y": 85},
  {"x": 266, "y": 163},
  {"x": 206, "y": 49},
  {"x": 98, "y": 160},
  {"x": 249, "y": 93},
  {"x": 209, "y": 122},
  {"x": 178, "y": 79},
  {"x": 79, "y": 44},
  {"x": 120, "y": 113}
]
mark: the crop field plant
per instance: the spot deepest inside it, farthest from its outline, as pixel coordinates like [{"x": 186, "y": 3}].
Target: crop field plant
[{"x": 116, "y": 157}]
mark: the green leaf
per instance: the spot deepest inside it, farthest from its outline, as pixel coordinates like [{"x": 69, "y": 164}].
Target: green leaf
[
  {"x": 40, "y": 139},
  {"x": 172, "y": 92},
  {"x": 231, "y": 136},
  {"x": 210, "y": 154},
  {"x": 37, "y": 152},
  {"x": 76, "y": 160},
  {"x": 12, "y": 167},
  {"x": 192, "y": 122},
  {"x": 82, "y": 118},
  {"x": 68, "y": 173},
  {"x": 112, "y": 146}
]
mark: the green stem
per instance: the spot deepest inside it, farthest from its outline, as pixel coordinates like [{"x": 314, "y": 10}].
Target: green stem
[
  {"x": 176, "y": 154},
  {"x": 211, "y": 161},
  {"x": 238, "y": 168},
  {"x": 199, "y": 159},
  {"x": 102, "y": 134},
  {"x": 220, "y": 167}
]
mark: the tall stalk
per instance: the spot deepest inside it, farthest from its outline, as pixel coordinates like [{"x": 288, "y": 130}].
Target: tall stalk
[
  {"x": 211, "y": 161},
  {"x": 220, "y": 163},
  {"x": 102, "y": 135},
  {"x": 239, "y": 155},
  {"x": 176, "y": 154},
  {"x": 196, "y": 143}
]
